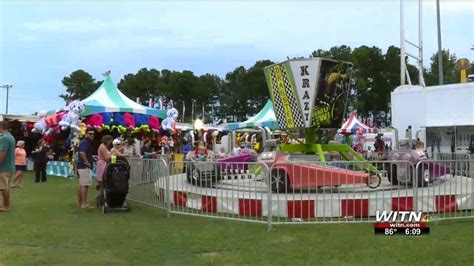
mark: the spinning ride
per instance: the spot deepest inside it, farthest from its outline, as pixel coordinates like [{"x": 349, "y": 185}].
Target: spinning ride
[{"x": 311, "y": 95}]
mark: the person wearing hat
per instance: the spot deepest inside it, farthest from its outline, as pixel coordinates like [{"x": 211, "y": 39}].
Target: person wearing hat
[
  {"x": 20, "y": 163},
  {"x": 117, "y": 148}
]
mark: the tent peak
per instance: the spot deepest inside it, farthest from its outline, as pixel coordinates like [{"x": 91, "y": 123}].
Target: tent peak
[{"x": 106, "y": 74}]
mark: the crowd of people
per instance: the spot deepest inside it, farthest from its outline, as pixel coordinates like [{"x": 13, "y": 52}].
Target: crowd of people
[{"x": 86, "y": 156}]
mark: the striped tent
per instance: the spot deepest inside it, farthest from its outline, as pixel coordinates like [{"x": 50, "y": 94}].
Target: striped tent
[
  {"x": 265, "y": 118},
  {"x": 352, "y": 124},
  {"x": 108, "y": 98}
]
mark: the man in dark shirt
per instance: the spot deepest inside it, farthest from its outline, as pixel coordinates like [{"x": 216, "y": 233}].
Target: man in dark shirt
[
  {"x": 84, "y": 167},
  {"x": 147, "y": 151}
]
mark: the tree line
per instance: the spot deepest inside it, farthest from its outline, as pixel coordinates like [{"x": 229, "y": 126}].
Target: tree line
[{"x": 243, "y": 91}]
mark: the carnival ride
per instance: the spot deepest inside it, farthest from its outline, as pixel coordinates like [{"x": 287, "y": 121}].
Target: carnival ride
[
  {"x": 311, "y": 95},
  {"x": 300, "y": 178}
]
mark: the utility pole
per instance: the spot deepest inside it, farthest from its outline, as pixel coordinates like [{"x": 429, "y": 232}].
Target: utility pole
[
  {"x": 440, "y": 54},
  {"x": 8, "y": 91}
]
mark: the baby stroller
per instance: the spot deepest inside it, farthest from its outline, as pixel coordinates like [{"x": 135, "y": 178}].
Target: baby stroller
[{"x": 115, "y": 185}]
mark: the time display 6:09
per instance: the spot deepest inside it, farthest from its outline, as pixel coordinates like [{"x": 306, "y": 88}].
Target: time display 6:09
[{"x": 412, "y": 231}]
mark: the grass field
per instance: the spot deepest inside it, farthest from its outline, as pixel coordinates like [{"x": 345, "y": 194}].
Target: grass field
[{"x": 46, "y": 228}]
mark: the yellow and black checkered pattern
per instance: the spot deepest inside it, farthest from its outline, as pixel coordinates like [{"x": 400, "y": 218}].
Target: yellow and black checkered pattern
[{"x": 296, "y": 114}]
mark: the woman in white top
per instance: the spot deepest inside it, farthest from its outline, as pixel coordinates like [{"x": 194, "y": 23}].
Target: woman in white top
[{"x": 129, "y": 150}]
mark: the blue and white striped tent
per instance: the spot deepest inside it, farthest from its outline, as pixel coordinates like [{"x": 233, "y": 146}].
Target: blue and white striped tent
[
  {"x": 108, "y": 98},
  {"x": 265, "y": 118}
]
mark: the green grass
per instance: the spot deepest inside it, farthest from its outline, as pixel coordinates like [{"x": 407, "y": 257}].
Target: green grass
[{"x": 45, "y": 227}]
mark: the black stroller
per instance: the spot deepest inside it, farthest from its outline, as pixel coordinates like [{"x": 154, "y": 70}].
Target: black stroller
[{"x": 115, "y": 185}]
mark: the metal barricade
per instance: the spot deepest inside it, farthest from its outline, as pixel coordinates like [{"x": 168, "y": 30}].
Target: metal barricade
[
  {"x": 147, "y": 181},
  {"x": 445, "y": 189},
  {"x": 301, "y": 191},
  {"x": 335, "y": 191},
  {"x": 219, "y": 190}
]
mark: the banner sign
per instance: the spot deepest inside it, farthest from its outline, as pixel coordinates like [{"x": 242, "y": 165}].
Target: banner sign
[
  {"x": 309, "y": 92},
  {"x": 282, "y": 92}
]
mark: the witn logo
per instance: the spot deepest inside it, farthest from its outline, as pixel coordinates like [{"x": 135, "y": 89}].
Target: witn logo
[{"x": 400, "y": 216}]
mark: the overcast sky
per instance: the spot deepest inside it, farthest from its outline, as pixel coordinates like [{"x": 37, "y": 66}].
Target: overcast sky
[{"x": 42, "y": 43}]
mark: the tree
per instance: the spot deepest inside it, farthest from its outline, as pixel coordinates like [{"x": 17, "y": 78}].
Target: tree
[
  {"x": 79, "y": 85},
  {"x": 244, "y": 92},
  {"x": 451, "y": 75},
  {"x": 343, "y": 53},
  {"x": 143, "y": 84}
]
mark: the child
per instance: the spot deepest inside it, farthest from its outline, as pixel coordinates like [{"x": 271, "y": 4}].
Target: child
[{"x": 201, "y": 154}]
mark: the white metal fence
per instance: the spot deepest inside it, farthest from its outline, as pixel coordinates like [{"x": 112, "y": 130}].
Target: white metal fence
[{"x": 305, "y": 192}]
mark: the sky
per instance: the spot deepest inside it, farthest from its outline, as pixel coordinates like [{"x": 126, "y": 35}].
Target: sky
[{"x": 42, "y": 42}]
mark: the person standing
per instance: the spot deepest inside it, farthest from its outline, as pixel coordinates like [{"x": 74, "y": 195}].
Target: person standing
[
  {"x": 117, "y": 149},
  {"x": 103, "y": 154},
  {"x": 84, "y": 168},
  {"x": 370, "y": 154},
  {"x": 20, "y": 163},
  {"x": 147, "y": 151},
  {"x": 7, "y": 164},
  {"x": 187, "y": 148},
  {"x": 41, "y": 159},
  {"x": 129, "y": 150}
]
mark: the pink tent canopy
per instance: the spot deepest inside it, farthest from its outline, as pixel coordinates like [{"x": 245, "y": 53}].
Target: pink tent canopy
[{"x": 352, "y": 124}]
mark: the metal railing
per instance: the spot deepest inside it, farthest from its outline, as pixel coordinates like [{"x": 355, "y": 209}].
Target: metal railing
[
  {"x": 147, "y": 183},
  {"x": 304, "y": 191}
]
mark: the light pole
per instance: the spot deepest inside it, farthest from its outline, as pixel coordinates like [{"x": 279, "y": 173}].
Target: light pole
[
  {"x": 8, "y": 90},
  {"x": 440, "y": 54}
]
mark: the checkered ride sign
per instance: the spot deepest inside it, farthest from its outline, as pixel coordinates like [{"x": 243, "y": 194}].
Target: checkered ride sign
[{"x": 309, "y": 92}]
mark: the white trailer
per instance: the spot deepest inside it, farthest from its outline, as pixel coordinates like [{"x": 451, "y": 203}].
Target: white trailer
[{"x": 441, "y": 116}]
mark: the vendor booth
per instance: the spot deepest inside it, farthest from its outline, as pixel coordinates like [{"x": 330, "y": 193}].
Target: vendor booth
[
  {"x": 353, "y": 124},
  {"x": 108, "y": 111},
  {"x": 265, "y": 118}
]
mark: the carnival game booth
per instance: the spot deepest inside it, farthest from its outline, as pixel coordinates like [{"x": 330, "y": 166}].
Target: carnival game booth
[
  {"x": 108, "y": 107},
  {"x": 108, "y": 111}
]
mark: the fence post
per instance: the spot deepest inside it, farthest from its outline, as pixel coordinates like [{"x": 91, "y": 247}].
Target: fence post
[
  {"x": 267, "y": 173},
  {"x": 166, "y": 171},
  {"x": 415, "y": 186}
]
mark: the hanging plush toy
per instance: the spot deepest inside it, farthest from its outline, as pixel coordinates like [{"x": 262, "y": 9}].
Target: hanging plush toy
[
  {"x": 82, "y": 130},
  {"x": 168, "y": 125},
  {"x": 49, "y": 139},
  {"x": 154, "y": 123},
  {"x": 52, "y": 122},
  {"x": 71, "y": 118},
  {"x": 40, "y": 126},
  {"x": 129, "y": 120},
  {"x": 96, "y": 121}
]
